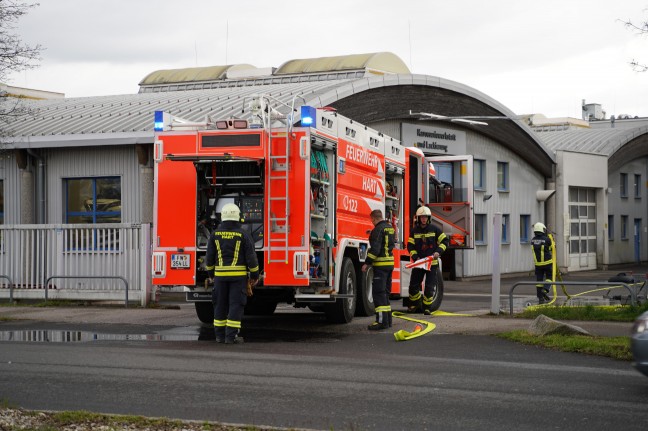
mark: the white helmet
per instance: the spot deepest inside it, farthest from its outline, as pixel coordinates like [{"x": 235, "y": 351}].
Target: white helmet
[
  {"x": 539, "y": 227},
  {"x": 423, "y": 211},
  {"x": 230, "y": 212}
]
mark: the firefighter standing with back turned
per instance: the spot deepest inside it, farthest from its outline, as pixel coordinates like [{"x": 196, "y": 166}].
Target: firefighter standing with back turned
[
  {"x": 543, "y": 260},
  {"x": 381, "y": 257},
  {"x": 425, "y": 240},
  {"x": 231, "y": 255}
]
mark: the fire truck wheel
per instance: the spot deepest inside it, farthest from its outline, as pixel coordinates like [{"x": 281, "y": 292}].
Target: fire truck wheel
[
  {"x": 205, "y": 312},
  {"x": 365, "y": 305},
  {"x": 437, "y": 297},
  {"x": 342, "y": 310}
]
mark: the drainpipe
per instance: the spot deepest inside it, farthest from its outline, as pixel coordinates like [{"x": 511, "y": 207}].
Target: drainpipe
[{"x": 40, "y": 187}]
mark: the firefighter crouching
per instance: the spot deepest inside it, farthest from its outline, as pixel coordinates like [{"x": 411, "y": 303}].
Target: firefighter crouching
[
  {"x": 425, "y": 240},
  {"x": 381, "y": 257},
  {"x": 543, "y": 260},
  {"x": 231, "y": 255}
]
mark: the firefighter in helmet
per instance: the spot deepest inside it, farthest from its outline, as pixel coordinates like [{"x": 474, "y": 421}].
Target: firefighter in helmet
[
  {"x": 425, "y": 240},
  {"x": 381, "y": 257},
  {"x": 542, "y": 248},
  {"x": 231, "y": 255}
]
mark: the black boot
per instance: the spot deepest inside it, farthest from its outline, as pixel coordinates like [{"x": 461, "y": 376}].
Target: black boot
[{"x": 380, "y": 323}]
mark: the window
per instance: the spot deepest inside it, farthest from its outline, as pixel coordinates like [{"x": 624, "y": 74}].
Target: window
[
  {"x": 93, "y": 200},
  {"x": 611, "y": 227},
  {"x": 525, "y": 227},
  {"x": 502, "y": 176},
  {"x": 623, "y": 186},
  {"x": 479, "y": 173},
  {"x": 1, "y": 202},
  {"x": 637, "y": 186},
  {"x": 480, "y": 229},
  {"x": 624, "y": 227},
  {"x": 506, "y": 231}
]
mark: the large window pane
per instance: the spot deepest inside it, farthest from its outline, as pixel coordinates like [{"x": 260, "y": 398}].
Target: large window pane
[{"x": 93, "y": 200}]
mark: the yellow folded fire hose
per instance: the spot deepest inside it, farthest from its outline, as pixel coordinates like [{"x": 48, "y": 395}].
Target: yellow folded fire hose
[{"x": 422, "y": 327}]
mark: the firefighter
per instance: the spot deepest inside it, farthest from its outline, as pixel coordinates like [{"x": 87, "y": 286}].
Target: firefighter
[
  {"x": 381, "y": 258},
  {"x": 231, "y": 255},
  {"x": 425, "y": 240},
  {"x": 543, "y": 260}
]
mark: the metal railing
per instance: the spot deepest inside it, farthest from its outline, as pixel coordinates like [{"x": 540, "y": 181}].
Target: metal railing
[
  {"x": 47, "y": 282},
  {"x": 103, "y": 254},
  {"x": 616, "y": 284},
  {"x": 6, "y": 277}
]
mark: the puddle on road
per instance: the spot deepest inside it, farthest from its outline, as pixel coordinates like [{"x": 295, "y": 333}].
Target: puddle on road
[{"x": 176, "y": 334}]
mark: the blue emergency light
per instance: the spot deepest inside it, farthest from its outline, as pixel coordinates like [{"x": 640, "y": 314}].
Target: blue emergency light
[
  {"x": 158, "y": 124},
  {"x": 308, "y": 116}
]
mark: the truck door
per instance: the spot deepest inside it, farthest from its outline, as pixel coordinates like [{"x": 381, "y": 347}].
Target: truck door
[
  {"x": 174, "y": 214},
  {"x": 448, "y": 191}
]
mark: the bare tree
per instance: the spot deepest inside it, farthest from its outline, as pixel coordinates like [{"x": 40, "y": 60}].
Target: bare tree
[
  {"x": 642, "y": 30},
  {"x": 15, "y": 56}
]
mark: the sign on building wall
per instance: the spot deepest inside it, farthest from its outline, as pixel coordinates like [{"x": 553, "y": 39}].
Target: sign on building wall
[{"x": 433, "y": 140}]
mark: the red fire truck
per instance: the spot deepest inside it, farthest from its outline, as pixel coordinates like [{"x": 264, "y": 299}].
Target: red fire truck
[{"x": 305, "y": 190}]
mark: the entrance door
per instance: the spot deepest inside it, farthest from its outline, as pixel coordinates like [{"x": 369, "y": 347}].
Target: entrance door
[{"x": 582, "y": 230}]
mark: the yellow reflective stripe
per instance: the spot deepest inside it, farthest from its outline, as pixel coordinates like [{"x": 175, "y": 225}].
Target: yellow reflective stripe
[
  {"x": 209, "y": 268},
  {"x": 442, "y": 237},
  {"x": 371, "y": 255},
  {"x": 426, "y": 300},
  {"x": 231, "y": 268},
  {"x": 383, "y": 308},
  {"x": 219, "y": 323},
  {"x": 220, "y": 254},
  {"x": 234, "y": 324},
  {"x": 383, "y": 263},
  {"x": 230, "y": 273},
  {"x": 236, "y": 253},
  {"x": 256, "y": 268},
  {"x": 415, "y": 297},
  {"x": 411, "y": 240}
]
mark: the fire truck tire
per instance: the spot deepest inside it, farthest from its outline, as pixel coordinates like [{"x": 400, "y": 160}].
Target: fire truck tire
[
  {"x": 438, "y": 294},
  {"x": 205, "y": 312},
  {"x": 365, "y": 305},
  {"x": 342, "y": 310}
]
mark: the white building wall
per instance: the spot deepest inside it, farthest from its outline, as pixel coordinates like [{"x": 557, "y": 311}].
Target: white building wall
[
  {"x": 622, "y": 250},
  {"x": 524, "y": 181},
  {"x": 93, "y": 162},
  {"x": 11, "y": 180}
]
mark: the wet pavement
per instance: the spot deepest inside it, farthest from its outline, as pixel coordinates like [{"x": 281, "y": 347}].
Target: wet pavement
[{"x": 175, "y": 320}]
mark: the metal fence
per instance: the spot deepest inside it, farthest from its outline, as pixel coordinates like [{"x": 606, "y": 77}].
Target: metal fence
[{"x": 76, "y": 261}]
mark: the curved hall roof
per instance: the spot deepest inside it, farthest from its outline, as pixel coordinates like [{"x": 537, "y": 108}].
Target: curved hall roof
[
  {"x": 123, "y": 119},
  {"x": 619, "y": 145},
  {"x": 376, "y": 62}
]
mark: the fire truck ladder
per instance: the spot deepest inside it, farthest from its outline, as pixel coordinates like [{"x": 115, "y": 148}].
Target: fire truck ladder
[{"x": 278, "y": 171}]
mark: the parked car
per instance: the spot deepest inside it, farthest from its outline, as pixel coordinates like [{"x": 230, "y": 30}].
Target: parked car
[{"x": 639, "y": 343}]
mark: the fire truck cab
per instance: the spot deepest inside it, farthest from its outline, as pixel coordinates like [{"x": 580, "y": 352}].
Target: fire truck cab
[{"x": 305, "y": 189}]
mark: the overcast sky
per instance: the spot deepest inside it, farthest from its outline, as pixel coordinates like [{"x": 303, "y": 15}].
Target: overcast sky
[{"x": 532, "y": 56}]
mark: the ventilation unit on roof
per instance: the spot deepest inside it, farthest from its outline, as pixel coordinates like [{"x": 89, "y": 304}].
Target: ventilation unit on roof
[{"x": 593, "y": 111}]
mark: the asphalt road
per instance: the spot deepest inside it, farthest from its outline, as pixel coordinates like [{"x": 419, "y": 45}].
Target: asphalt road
[{"x": 297, "y": 371}]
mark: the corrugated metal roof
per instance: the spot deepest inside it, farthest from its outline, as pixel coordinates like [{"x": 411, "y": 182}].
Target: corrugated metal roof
[
  {"x": 134, "y": 112},
  {"x": 128, "y": 119},
  {"x": 595, "y": 141}
]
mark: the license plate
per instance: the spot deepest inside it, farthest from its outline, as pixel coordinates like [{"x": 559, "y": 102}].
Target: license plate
[{"x": 180, "y": 261}]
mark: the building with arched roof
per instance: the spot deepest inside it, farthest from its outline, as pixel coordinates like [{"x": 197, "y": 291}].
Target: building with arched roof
[
  {"x": 111, "y": 138},
  {"x": 601, "y": 200}
]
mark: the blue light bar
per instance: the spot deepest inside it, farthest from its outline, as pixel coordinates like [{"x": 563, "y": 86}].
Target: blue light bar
[
  {"x": 308, "y": 116},
  {"x": 158, "y": 124}
]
